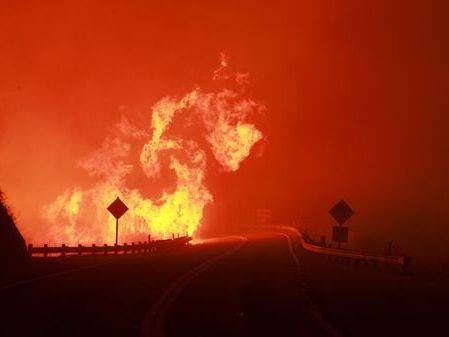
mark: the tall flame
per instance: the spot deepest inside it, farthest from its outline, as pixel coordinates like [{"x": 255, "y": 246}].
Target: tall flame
[{"x": 80, "y": 216}]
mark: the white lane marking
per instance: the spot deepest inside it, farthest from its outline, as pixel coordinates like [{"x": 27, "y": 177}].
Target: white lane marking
[
  {"x": 153, "y": 324},
  {"x": 325, "y": 324},
  {"x": 43, "y": 277}
]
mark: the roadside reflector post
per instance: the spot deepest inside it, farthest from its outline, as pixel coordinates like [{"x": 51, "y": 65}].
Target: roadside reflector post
[{"x": 323, "y": 241}]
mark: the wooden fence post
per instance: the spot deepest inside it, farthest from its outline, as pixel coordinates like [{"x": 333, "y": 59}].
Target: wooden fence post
[
  {"x": 45, "y": 250},
  {"x": 125, "y": 248},
  {"x": 93, "y": 248},
  {"x": 79, "y": 249},
  {"x": 63, "y": 250},
  {"x": 132, "y": 247},
  {"x": 30, "y": 250},
  {"x": 105, "y": 248}
]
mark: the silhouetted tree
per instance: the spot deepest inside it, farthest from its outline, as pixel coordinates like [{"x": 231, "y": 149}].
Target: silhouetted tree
[{"x": 13, "y": 249}]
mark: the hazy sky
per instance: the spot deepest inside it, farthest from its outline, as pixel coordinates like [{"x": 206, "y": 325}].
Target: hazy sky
[{"x": 356, "y": 95}]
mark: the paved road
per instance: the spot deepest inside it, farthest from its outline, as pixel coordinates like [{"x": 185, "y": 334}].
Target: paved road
[{"x": 259, "y": 284}]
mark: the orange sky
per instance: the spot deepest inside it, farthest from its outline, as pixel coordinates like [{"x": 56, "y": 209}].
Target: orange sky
[{"x": 356, "y": 97}]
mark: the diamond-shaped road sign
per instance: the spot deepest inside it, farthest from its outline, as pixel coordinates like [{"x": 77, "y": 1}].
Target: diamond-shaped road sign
[
  {"x": 341, "y": 212},
  {"x": 117, "y": 208}
]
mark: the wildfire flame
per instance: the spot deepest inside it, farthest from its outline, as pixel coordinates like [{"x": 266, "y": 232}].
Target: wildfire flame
[{"x": 80, "y": 216}]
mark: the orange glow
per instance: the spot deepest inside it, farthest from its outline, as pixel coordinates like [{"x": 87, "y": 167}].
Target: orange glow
[
  {"x": 356, "y": 97},
  {"x": 79, "y": 215}
]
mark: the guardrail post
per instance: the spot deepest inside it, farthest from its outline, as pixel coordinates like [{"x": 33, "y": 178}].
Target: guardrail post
[
  {"x": 30, "y": 250},
  {"x": 45, "y": 250},
  {"x": 139, "y": 250},
  {"x": 94, "y": 248},
  {"x": 80, "y": 250},
  {"x": 63, "y": 250},
  {"x": 116, "y": 248},
  {"x": 125, "y": 248},
  {"x": 105, "y": 248},
  {"x": 132, "y": 248},
  {"x": 405, "y": 263}
]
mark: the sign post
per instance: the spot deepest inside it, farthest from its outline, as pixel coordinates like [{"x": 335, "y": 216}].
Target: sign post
[
  {"x": 117, "y": 209},
  {"x": 341, "y": 212}
]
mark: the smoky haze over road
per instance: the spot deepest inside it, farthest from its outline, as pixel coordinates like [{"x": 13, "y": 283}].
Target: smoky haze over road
[
  {"x": 356, "y": 97},
  {"x": 259, "y": 284}
]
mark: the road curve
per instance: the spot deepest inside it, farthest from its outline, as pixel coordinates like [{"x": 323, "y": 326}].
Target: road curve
[
  {"x": 313, "y": 307},
  {"x": 259, "y": 284},
  {"x": 256, "y": 289},
  {"x": 154, "y": 321}
]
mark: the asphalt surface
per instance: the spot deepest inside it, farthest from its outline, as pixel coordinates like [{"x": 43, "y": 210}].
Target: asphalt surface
[{"x": 259, "y": 284}]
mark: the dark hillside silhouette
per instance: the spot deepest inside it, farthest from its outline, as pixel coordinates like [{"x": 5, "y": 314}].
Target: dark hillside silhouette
[{"x": 12, "y": 245}]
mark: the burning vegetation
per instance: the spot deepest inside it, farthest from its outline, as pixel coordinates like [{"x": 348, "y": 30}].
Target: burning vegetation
[{"x": 187, "y": 136}]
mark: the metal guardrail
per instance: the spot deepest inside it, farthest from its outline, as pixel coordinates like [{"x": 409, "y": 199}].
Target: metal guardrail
[
  {"x": 356, "y": 256},
  {"x": 133, "y": 248}
]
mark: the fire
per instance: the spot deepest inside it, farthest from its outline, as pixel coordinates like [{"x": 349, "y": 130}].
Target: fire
[{"x": 80, "y": 216}]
